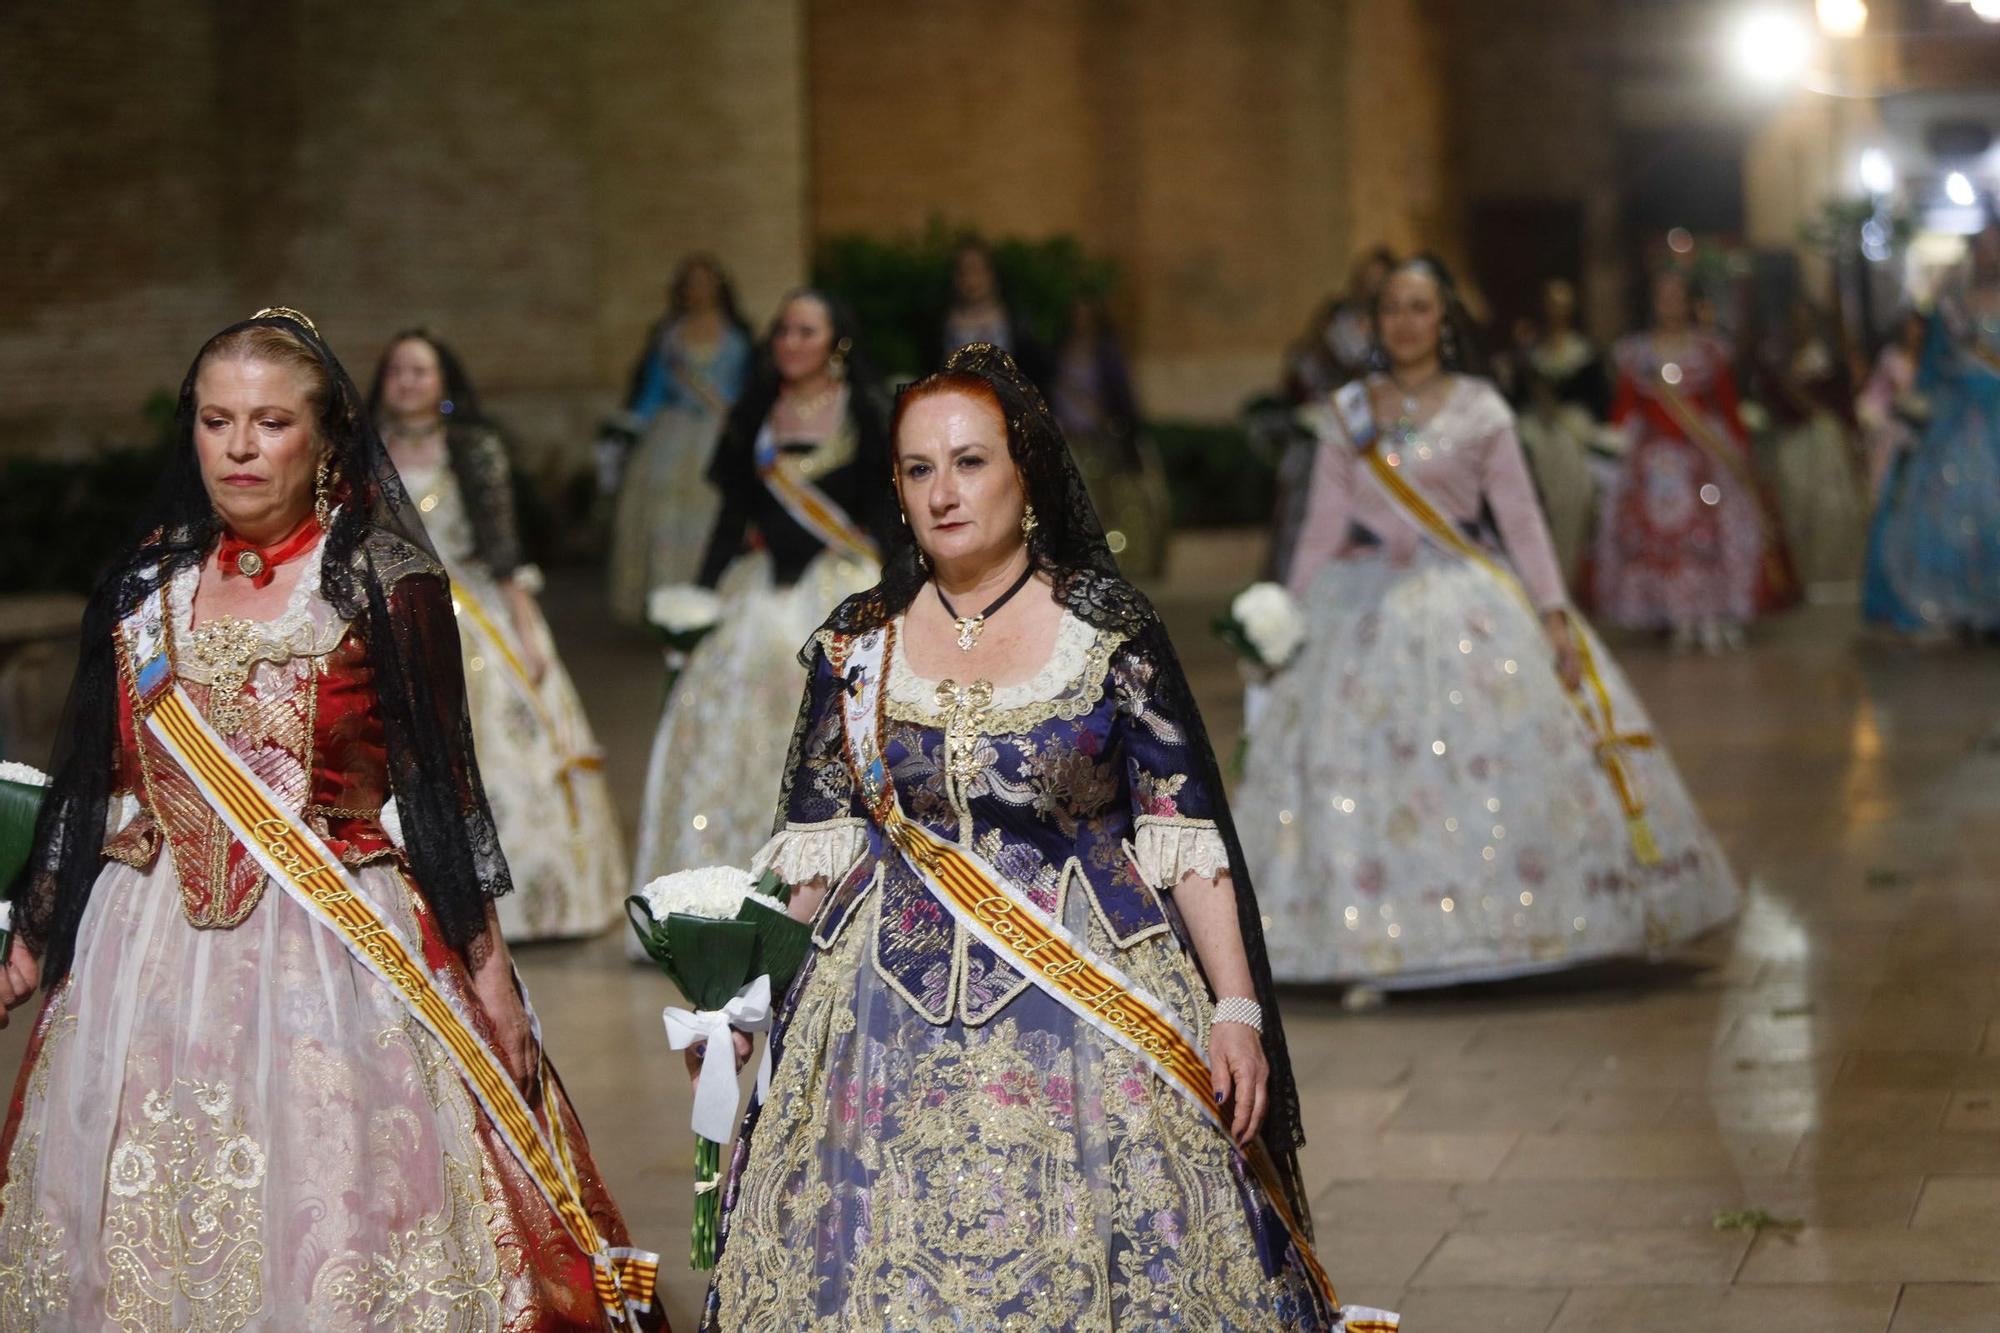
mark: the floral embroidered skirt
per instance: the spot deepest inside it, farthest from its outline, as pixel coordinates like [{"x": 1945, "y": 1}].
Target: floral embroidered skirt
[
  {"x": 1025, "y": 1173},
  {"x": 1422, "y": 804},
  {"x": 543, "y": 773},
  {"x": 242, "y": 1129},
  {"x": 666, "y": 506},
  {"x": 718, "y": 758}
]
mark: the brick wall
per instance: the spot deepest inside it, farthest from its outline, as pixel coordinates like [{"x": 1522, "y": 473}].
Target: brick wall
[
  {"x": 520, "y": 174},
  {"x": 1230, "y": 157}
]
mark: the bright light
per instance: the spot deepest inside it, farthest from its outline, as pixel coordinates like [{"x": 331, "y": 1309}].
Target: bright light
[
  {"x": 1987, "y": 9},
  {"x": 1841, "y": 18},
  {"x": 1878, "y": 173},
  {"x": 1771, "y": 46},
  {"x": 1958, "y": 189}
]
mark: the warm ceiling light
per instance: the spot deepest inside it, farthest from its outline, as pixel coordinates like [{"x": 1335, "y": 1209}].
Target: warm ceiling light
[
  {"x": 1987, "y": 9},
  {"x": 1841, "y": 18},
  {"x": 1958, "y": 189},
  {"x": 1771, "y": 46}
]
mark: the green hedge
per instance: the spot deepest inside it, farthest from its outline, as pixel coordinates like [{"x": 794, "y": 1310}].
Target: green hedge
[
  {"x": 1217, "y": 477},
  {"x": 898, "y": 285}
]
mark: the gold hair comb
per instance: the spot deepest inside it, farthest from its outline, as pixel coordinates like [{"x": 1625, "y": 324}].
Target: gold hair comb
[{"x": 286, "y": 312}]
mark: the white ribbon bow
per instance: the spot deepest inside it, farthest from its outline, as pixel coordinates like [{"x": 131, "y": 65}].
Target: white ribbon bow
[{"x": 716, "y": 1100}]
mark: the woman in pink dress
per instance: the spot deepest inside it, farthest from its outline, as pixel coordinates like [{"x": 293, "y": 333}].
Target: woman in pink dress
[{"x": 1452, "y": 781}]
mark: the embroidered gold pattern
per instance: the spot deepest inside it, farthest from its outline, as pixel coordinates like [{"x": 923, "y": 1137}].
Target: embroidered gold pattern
[
  {"x": 184, "y": 1244},
  {"x": 444, "y": 1272},
  {"x": 965, "y": 1177},
  {"x": 223, "y": 651},
  {"x": 964, "y": 708}
]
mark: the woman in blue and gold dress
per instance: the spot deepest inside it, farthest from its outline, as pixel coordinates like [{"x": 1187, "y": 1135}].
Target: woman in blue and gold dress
[{"x": 1000, "y": 783}]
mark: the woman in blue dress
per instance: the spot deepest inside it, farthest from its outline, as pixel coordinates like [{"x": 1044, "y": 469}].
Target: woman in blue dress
[
  {"x": 1934, "y": 555},
  {"x": 696, "y": 360},
  {"x": 1033, "y": 1074}
]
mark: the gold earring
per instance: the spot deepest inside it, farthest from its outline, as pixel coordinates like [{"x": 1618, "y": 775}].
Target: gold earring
[
  {"x": 1028, "y": 522},
  {"x": 836, "y": 365},
  {"x": 323, "y": 492}
]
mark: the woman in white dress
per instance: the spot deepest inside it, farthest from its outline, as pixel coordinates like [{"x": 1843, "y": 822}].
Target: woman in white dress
[
  {"x": 1452, "y": 781},
  {"x": 544, "y": 770},
  {"x": 800, "y": 469}
]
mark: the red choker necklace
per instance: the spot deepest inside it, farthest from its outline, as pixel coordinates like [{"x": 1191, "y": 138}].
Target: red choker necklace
[{"x": 259, "y": 564}]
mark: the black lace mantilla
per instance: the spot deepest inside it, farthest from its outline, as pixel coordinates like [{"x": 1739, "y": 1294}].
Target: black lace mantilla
[{"x": 1068, "y": 546}]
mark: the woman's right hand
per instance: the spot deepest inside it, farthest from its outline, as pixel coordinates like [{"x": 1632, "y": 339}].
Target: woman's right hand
[
  {"x": 19, "y": 978},
  {"x": 697, "y": 1052}
]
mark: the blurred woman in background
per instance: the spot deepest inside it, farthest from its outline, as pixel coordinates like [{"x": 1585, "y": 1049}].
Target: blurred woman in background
[
  {"x": 801, "y": 469},
  {"x": 696, "y": 359},
  {"x": 1093, "y": 400},
  {"x": 543, "y": 766},
  {"x": 1937, "y": 538},
  {"x": 1685, "y": 542},
  {"x": 1817, "y": 471}
]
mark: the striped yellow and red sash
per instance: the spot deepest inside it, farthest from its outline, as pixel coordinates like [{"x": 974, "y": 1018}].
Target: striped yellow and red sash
[
  {"x": 295, "y": 857},
  {"x": 1724, "y": 454},
  {"x": 1016, "y": 929},
  {"x": 808, "y": 504},
  {"x": 1593, "y": 701}
]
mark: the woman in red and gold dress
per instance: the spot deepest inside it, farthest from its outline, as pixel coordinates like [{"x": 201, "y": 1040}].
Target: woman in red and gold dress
[
  {"x": 284, "y": 1076},
  {"x": 1686, "y": 541}
]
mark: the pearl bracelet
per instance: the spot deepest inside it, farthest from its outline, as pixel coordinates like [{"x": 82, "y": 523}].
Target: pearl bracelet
[{"x": 1239, "y": 1009}]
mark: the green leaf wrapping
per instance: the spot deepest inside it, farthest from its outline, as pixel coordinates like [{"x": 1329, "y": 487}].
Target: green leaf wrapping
[{"x": 20, "y": 803}]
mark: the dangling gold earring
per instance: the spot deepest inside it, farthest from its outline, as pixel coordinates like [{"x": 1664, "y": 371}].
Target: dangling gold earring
[
  {"x": 1028, "y": 522},
  {"x": 323, "y": 492},
  {"x": 836, "y": 365}
]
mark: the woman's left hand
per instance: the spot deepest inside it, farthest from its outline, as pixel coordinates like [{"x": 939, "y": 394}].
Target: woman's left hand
[
  {"x": 1562, "y": 642},
  {"x": 502, "y": 1002},
  {"x": 1242, "y": 1077}
]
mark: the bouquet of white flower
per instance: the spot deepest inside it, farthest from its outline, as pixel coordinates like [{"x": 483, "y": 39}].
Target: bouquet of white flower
[
  {"x": 731, "y": 947},
  {"x": 684, "y": 614},
  {"x": 1263, "y": 625},
  {"x": 21, "y": 791}
]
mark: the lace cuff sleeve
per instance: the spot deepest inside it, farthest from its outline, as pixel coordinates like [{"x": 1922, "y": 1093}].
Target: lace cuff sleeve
[
  {"x": 801, "y": 853},
  {"x": 1166, "y": 848}
]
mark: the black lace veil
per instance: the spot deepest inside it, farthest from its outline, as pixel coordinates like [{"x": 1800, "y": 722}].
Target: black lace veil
[
  {"x": 1068, "y": 545},
  {"x": 378, "y": 571}
]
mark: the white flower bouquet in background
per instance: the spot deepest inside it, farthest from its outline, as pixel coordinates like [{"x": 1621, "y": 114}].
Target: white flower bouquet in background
[
  {"x": 684, "y": 614},
  {"x": 1263, "y": 625},
  {"x": 21, "y": 792},
  {"x": 731, "y": 947}
]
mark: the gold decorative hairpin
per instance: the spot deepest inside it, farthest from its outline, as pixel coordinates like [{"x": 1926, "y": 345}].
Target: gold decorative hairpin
[{"x": 286, "y": 312}]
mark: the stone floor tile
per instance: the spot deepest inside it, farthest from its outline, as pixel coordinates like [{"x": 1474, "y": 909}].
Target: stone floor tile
[
  {"x": 1875, "y": 1254},
  {"x": 1664, "y": 1154},
  {"x": 1947, "y": 1308},
  {"x": 1584, "y": 1259},
  {"x": 1719, "y": 1309}
]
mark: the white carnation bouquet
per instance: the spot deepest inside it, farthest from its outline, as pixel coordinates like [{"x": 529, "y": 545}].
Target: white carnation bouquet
[
  {"x": 1263, "y": 625},
  {"x": 728, "y": 942}
]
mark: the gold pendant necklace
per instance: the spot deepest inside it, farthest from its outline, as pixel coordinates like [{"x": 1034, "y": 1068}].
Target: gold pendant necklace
[{"x": 969, "y": 627}]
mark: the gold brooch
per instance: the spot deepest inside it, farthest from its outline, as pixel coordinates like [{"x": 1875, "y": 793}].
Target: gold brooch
[{"x": 249, "y": 564}]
